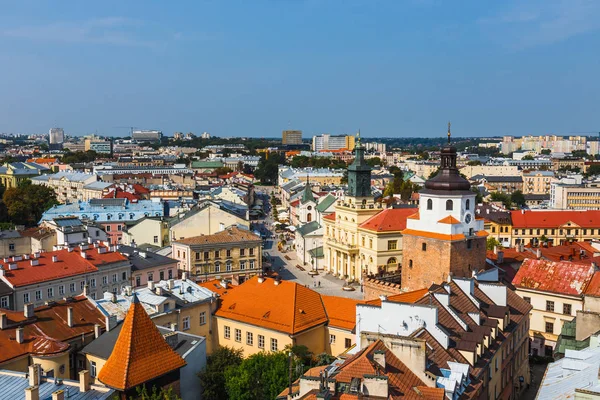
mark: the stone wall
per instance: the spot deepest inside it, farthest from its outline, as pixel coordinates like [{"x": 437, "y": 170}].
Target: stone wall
[{"x": 373, "y": 288}]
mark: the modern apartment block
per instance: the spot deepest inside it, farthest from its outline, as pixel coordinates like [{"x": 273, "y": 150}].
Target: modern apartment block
[{"x": 291, "y": 137}]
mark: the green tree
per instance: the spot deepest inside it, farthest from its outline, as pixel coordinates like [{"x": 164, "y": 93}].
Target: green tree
[
  {"x": 518, "y": 198},
  {"x": 156, "y": 394},
  {"x": 79, "y": 157},
  {"x": 546, "y": 152},
  {"x": 502, "y": 197},
  {"x": 344, "y": 180},
  {"x": 478, "y": 195},
  {"x": 260, "y": 376},
  {"x": 222, "y": 171},
  {"x": 593, "y": 170},
  {"x": 213, "y": 377},
  {"x": 492, "y": 242},
  {"x": 26, "y": 203},
  {"x": 474, "y": 162},
  {"x": 300, "y": 162},
  {"x": 324, "y": 359},
  {"x": 374, "y": 161},
  {"x": 268, "y": 168},
  {"x": 528, "y": 157}
]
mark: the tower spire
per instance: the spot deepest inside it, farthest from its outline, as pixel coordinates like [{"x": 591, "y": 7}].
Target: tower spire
[{"x": 448, "y": 132}]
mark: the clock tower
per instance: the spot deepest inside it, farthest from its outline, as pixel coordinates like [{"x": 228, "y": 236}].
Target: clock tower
[
  {"x": 444, "y": 237},
  {"x": 359, "y": 176}
]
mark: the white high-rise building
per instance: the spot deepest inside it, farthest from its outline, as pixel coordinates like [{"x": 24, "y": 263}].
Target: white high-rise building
[{"x": 57, "y": 135}]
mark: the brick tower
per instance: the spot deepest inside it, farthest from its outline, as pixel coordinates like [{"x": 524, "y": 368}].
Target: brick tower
[{"x": 444, "y": 237}]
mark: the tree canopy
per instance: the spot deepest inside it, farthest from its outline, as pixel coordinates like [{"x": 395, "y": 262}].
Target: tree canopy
[
  {"x": 79, "y": 157},
  {"x": 26, "y": 203},
  {"x": 213, "y": 377},
  {"x": 268, "y": 168}
]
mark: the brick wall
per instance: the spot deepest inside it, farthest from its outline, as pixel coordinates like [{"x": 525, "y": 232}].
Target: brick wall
[
  {"x": 440, "y": 257},
  {"x": 373, "y": 288}
]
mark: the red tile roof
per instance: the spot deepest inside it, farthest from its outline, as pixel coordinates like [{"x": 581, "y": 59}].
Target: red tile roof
[
  {"x": 408, "y": 297},
  {"x": 565, "y": 278},
  {"x": 388, "y": 220},
  {"x": 286, "y": 307},
  {"x": 216, "y": 286},
  {"x": 341, "y": 311},
  {"x": 140, "y": 355},
  {"x": 68, "y": 264},
  {"x": 43, "y": 160},
  {"x": 330, "y": 217},
  {"x": 554, "y": 219},
  {"x": 449, "y": 220},
  {"x": 510, "y": 255},
  {"x": 48, "y": 333}
]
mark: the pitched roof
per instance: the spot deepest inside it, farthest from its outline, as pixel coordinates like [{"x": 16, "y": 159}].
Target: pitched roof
[
  {"x": 554, "y": 219},
  {"x": 140, "y": 354},
  {"x": 341, "y": 311},
  {"x": 388, "y": 220},
  {"x": 308, "y": 228},
  {"x": 557, "y": 277},
  {"x": 229, "y": 235},
  {"x": 67, "y": 264},
  {"x": 285, "y": 307},
  {"x": 449, "y": 220},
  {"x": 307, "y": 194},
  {"x": 408, "y": 297},
  {"x": 48, "y": 333},
  {"x": 593, "y": 288},
  {"x": 330, "y": 217},
  {"x": 325, "y": 203}
]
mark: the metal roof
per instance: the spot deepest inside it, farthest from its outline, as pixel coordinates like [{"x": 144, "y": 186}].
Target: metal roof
[
  {"x": 14, "y": 384},
  {"x": 69, "y": 221}
]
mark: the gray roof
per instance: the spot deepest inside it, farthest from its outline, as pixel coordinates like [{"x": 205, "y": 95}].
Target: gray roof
[
  {"x": 497, "y": 178},
  {"x": 68, "y": 221},
  {"x": 9, "y": 234},
  {"x": 14, "y": 384},
  {"x": 149, "y": 259},
  {"x": 108, "y": 202},
  {"x": 98, "y": 185}
]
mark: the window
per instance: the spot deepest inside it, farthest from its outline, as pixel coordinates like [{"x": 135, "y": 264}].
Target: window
[
  {"x": 449, "y": 205},
  {"x": 251, "y": 264},
  {"x": 186, "y": 323},
  {"x": 107, "y": 228},
  {"x": 251, "y": 251},
  {"x": 93, "y": 369},
  {"x": 197, "y": 256},
  {"x": 138, "y": 281},
  {"x": 429, "y": 204},
  {"x": 468, "y": 204},
  {"x": 494, "y": 229},
  {"x": 150, "y": 276},
  {"x": 392, "y": 244},
  {"x": 38, "y": 294},
  {"x": 217, "y": 267},
  {"x": 114, "y": 278},
  {"x": 469, "y": 244},
  {"x": 332, "y": 339},
  {"x": 161, "y": 274},
  {"x": 25, "y": 298},
  {"x": 50, "y": 293},
  {"x": 82, "y": 285},
  {"x": 61, "y": 290},
  {"x": 206, "y": 255},
  {"x": 124, "y": 276},
  {"x": 238, "y": 335},
  {"x": 228, "y": 266},
  {"x": 11, "y": 246},
  {"x": 228, "y": 253},
  {"x": 242, "y": 265},
  {"x": 227, "y": 333},
  {"x": 4, "y": 302},
  {"x": 527, "y": 299},
  {"x": 203, "y": 318},
  {"x": 549, "y": 327},
  {"x": 249, "y": 339},
  {"x": 242, "y": 251},
  {"x": 370, "y": 243},
  {"x": 170, "y": 274},
  {"x": 105, "y": 280},
  {"x": 409, "y": 263},
  {"x": 424, "y": 246},
  {"x": 347, "y": 342},
  {"x": 119, "y": 227},
  {"x": 273, "y": 344},
  {"x": 155, "y": 239},
  {"x": 567, "y": 309},
  {"x": 261, "y": 342},
  {"x": 549, "y": 306},
  {"x": 217, "y": 254}
]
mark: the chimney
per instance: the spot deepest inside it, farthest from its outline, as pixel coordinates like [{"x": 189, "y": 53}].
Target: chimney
[
  {"x": 110, "y": 322},
  {"x": 173, "y": 326},
  {"x": 34, "y": 374},
  {"x": 276, "y": 282},
  {"x": 70, "y": 316},
  {"x": 20, "y": 336},
  {"x": 184, "y": 276},
  {"x": 54, "y": 258},
  {"x": 379, "y": 358},
  {"x": 70, "y": 249},
  {"x": 538, "y": 253},
  {"x": 113, "y": 297},
  {"x": 84, "y": 381},
  {"x": 58, "y": 395},
  {"x": 3, "y": 321},
  {"x": 86, "y": 290},
  {"x": 97, "y": 331},
  {"x": 83, "y": 255},
  {"x": 32, "y": 393},
  {"x": 261, "y": 279},
  {"x": 159, "y": 291},
  {"x": 28, "y": 310},
  {"x": 495, "y": 249},
  {"x": 170, "y": 284},
  {"x": 151, "y": 285}
]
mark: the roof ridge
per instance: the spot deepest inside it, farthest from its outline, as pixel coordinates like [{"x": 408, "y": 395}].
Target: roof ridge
[{"x": 295, "y": 301}]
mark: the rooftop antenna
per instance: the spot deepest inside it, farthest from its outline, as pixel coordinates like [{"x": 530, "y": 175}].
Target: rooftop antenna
[{"x": 448, "y": 132}]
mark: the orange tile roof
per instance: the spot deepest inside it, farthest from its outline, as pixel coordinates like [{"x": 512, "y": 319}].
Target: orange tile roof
[
  {"x": 140, "y": 355},
  {"x": 43, "y": 160},
  {"x": 287, "y": 307},
  {"x": 593, "y": 288},
  {"x": 449, "y": 220},
  {"x": 330, "y": 217},
  {"x": 68, "y": 264},
  {"x": 341, "y": 311},
  {"x": 229, "y": 235},
  {"x": 408, "y": 297},
  {"x": 388, "y": 220},
  {"x": 565, "y": 278},
  {"x": 441, "y": 236},
  {"x": 414, "y": 216},
  {"x": 48, "y": 333},
  {"x": 214, "y": 285},
  {"x": 554, "y": 219}
]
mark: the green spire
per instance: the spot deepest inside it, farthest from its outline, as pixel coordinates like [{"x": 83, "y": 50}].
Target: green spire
[{"x": 307, "y": 195}]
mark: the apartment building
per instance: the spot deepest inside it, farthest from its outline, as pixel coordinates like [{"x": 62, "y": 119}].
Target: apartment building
[
  {"x": 554, "y": 227},
  {"x": 233, "y": 253},
  {"x": 291, "y": 137},
  {"x": 537, "y": 182},
  {"x": 71, "y": 187},
  {"x": 497, "y": 222},
  {"x": 502, "y": 184},
  {"x": 555, "y": 290},
  {"x": 326, "y": 142},
  {"x": 50, "y": 276},
  {"x": 585, "y": 196},
  {"x": 12, "y": 174}
]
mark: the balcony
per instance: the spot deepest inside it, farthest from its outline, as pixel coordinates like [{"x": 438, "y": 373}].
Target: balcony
[{"x": 341, "y": 245}]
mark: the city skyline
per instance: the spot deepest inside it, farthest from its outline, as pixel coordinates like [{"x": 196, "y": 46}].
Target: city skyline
[{"x": 237, "y": 69}]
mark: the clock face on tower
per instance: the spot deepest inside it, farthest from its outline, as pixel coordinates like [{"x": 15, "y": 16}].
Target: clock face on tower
[{"x": 468, "y": 218}]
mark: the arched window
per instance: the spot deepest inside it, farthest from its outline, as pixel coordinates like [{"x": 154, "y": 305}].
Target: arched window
[
  {"x": 391, "y": 260},
  {"x": 308, "y": 217},
  {"x": 429, "y": 204},
  {"x": 468, "y": 204},
  {"x": 409, "y": 263},
  {"x": 448, "y": 205}
]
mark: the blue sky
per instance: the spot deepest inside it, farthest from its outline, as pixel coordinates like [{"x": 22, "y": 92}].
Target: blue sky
[{"x": 253, "y": 68}]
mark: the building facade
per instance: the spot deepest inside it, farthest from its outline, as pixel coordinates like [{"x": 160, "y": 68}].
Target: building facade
[{"x": 291, "y": 137}]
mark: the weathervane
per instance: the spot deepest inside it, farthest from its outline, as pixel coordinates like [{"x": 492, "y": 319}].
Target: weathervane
[
  {"x": 358, "y": 138},
  {"x": 448, "y": 132}
]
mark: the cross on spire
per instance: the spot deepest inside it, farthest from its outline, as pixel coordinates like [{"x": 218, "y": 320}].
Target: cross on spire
[{"x": 448, "y": 132}]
